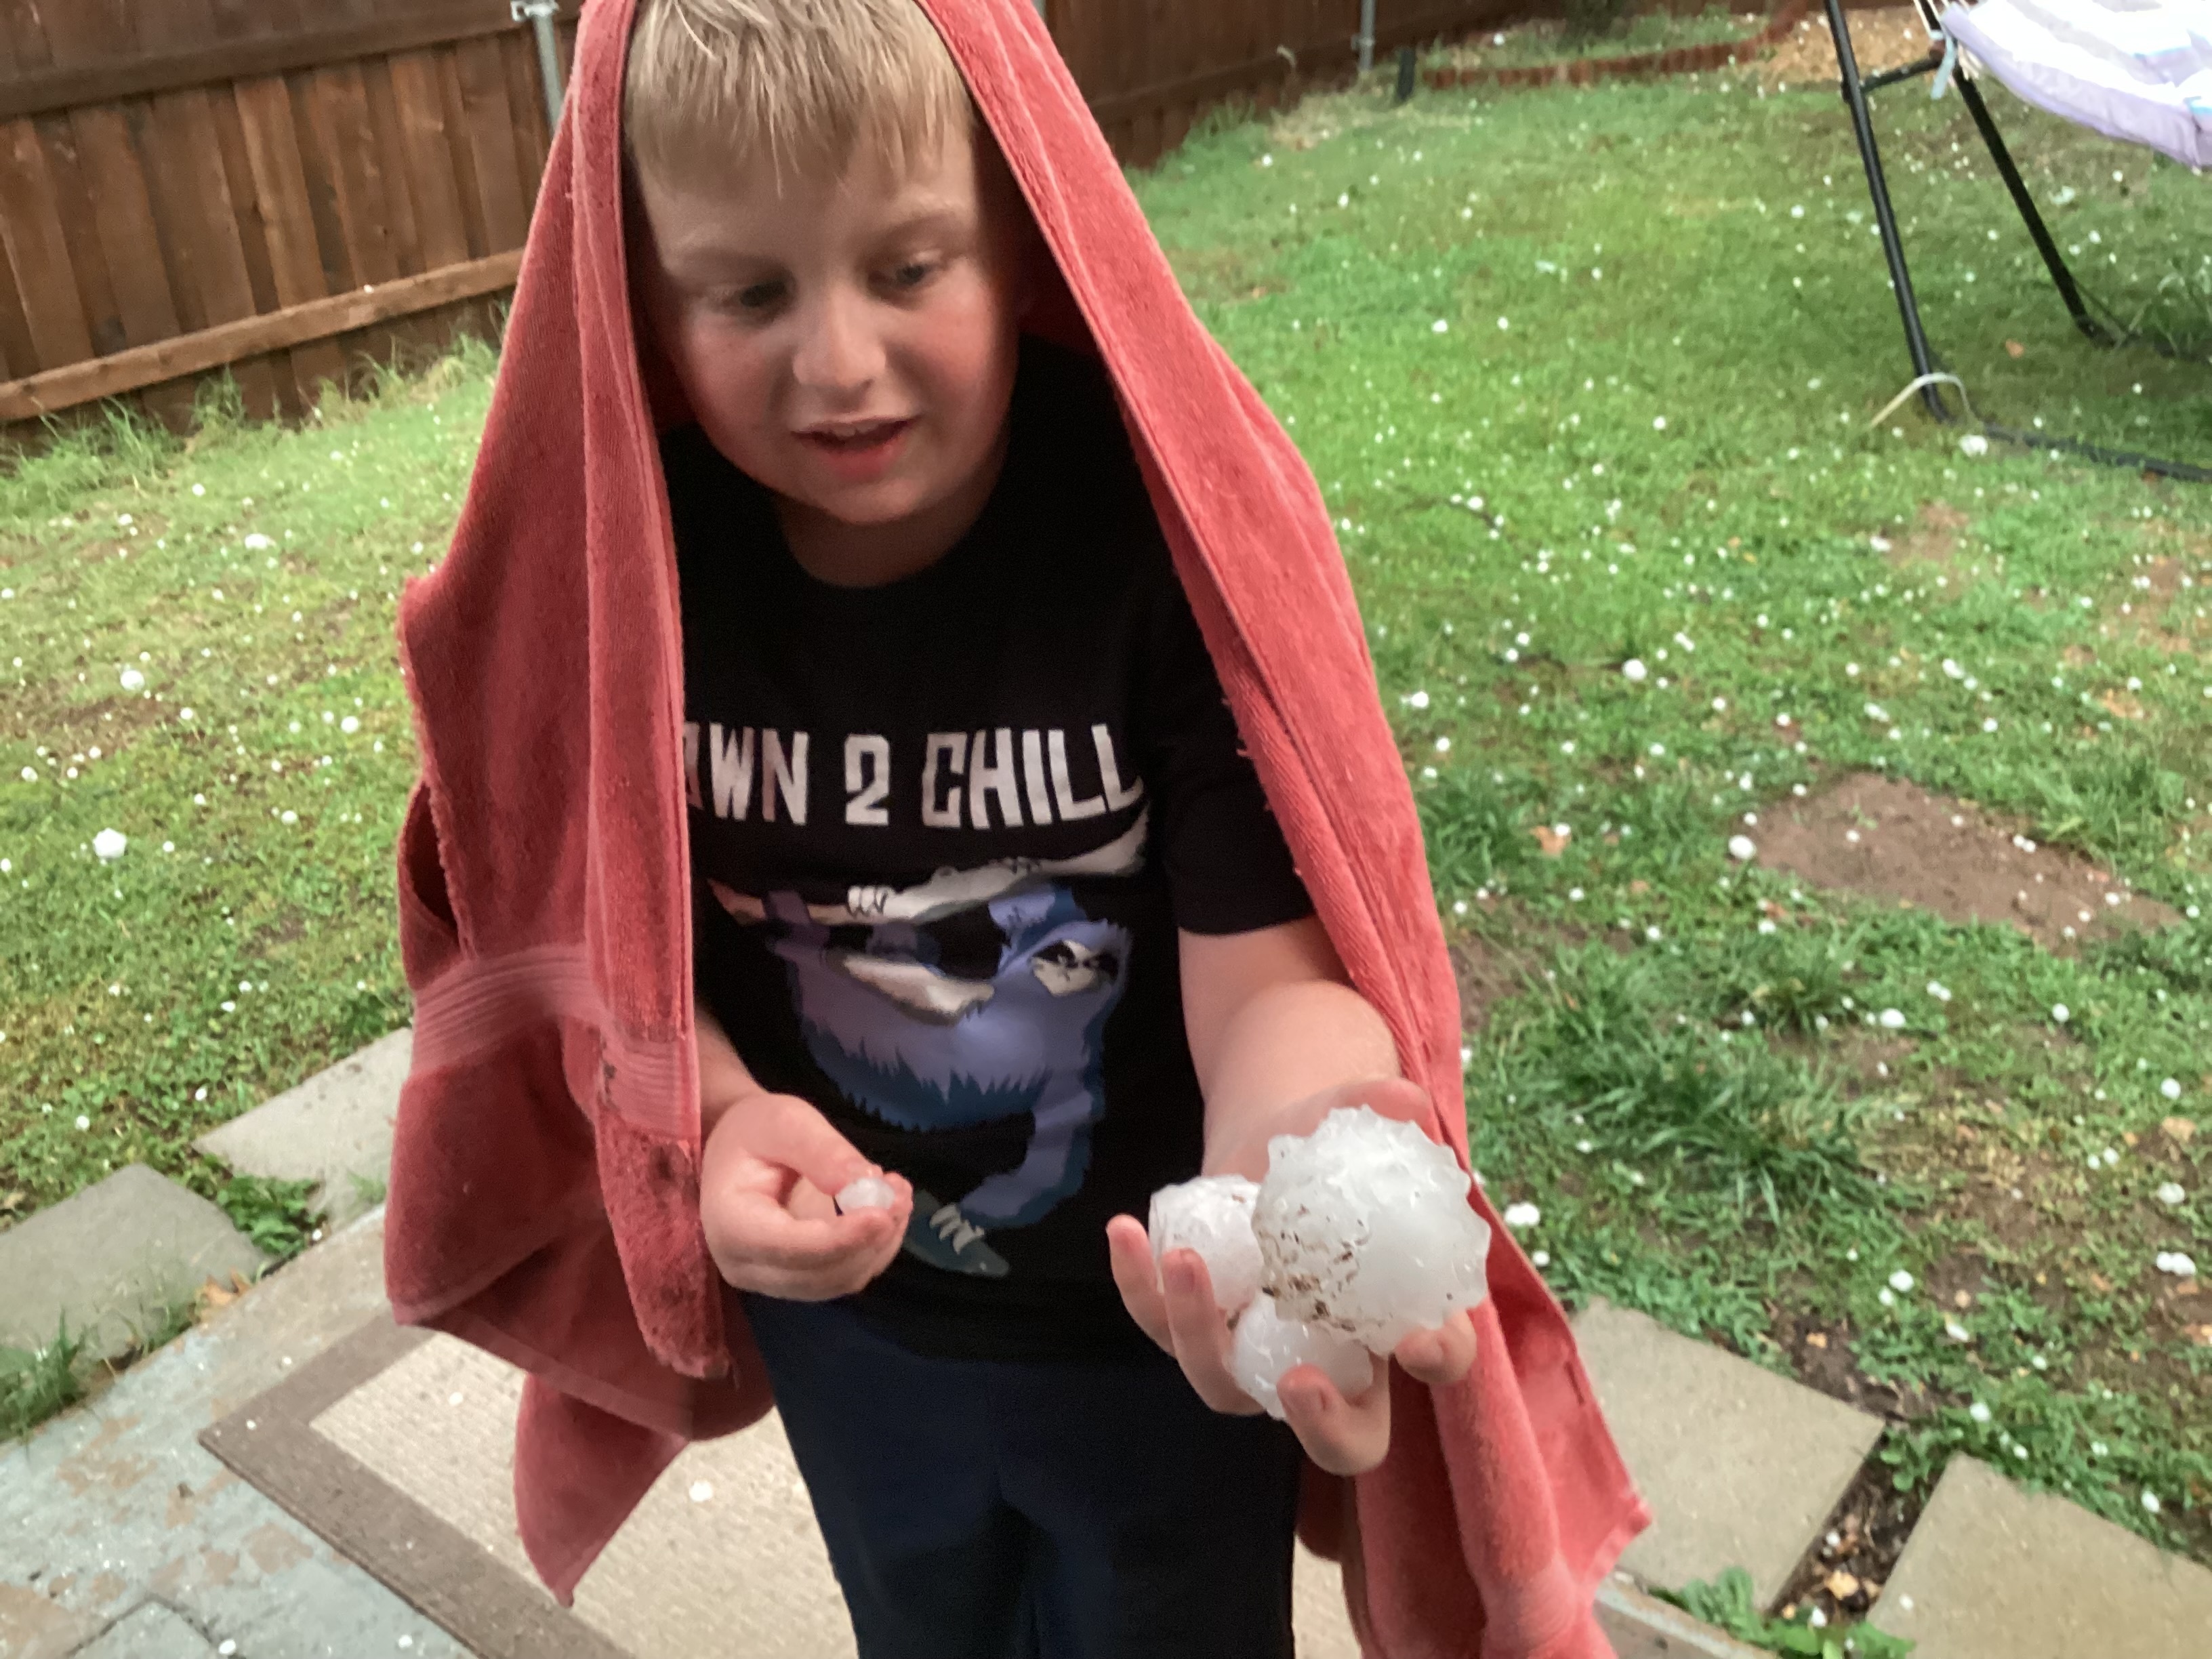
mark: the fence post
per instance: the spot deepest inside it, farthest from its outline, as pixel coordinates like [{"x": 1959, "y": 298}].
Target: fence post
[
  {"x": 1366, "y": 36},
  {"x": 539, "y": 15}
]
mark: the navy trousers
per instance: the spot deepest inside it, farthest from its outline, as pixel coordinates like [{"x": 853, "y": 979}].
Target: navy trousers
[{"x": 1003, "y": 1510}]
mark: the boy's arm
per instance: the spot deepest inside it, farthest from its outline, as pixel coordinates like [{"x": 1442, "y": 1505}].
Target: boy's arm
[
  {"x": 723, "y": 1078},
  {"x": 1272, "y": 1020}
]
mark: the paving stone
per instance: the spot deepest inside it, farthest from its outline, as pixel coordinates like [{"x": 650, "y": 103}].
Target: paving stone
[
  {"x": 1995, "y": 1572},
  {"x": 1740, "y": 1466},
  {"x": 149, "y": 1631},
  {"x": 335, "y": 1125},
  {"x": 115, "y": 1502},
  {"x": 1641, "y": 1626},
  {"x": 112, "y": 1258}
]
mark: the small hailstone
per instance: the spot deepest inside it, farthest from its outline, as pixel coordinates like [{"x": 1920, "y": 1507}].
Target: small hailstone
[
  {"x": 2060, "y": 1013},
  {"x": 1365, "y": 1229},
  {"x": 1955, "y": 1331},
  {"x": 1892, "y": 1019},
  {"x": 1742, "y": 849},
  {"x": 109, "y": 844},
  {"x": 257, "y": 543},
  {"x": 1938, "y": 991},
  {"x": 865, "y": 1192},
  {"x": 1979, "y": 1412},
  {"x": 2180, "y": 1263},
  {"x": 1900, "y": 1281},
  {"x": 1974, "y": 444},
  {"x": 2169, "y": 1193},
  {"x": 1520, "y": 1216},
  {"x": 701, "y": 1490},
  {"x": 1266, "y": 1345},
  {"x": 1212, "y": 1215},
  {"x": 1634, "y": 670},
  {"x": 2150, "y": 1501},
  {"x": 133, "y": 679},
  {"x": 2170, "y": 1089}
]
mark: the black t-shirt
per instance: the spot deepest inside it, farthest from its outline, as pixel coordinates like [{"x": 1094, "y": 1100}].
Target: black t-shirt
[{"x": 943, "y": 831}]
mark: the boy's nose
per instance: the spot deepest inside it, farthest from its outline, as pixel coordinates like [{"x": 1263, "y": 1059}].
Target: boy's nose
[{"x": 839, "y": 351}]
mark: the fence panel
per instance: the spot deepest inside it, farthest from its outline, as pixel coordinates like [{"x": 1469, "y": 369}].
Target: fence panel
[
  {"x": 277, "y": 187},
  {"x": 178, "y": 176}
]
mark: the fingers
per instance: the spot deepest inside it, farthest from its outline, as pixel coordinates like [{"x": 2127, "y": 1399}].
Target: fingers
[
  {"x": 1172, "y": 1303},
  {"x": 794, "y": 1135},
  {"x": 760, "y": 1246},
  {"x": 1343, "y": 1436},
  {"x": 1200, "y": 1331},
  {"x": 1129, "y": 1249},
  {"x": 1441, "y": 1356}
]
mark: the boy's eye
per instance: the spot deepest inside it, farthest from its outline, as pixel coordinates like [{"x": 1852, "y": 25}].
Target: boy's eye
[
  {"x": 912, "y": 274},
  {"x": 759, "y": 296}
]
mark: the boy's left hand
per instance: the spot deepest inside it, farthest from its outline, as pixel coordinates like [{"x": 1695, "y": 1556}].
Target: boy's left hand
[{"x": 1173, "y": 1304}]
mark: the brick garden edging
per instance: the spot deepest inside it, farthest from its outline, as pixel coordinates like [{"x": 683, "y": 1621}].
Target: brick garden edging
[{"x": 1580, "y": 71}]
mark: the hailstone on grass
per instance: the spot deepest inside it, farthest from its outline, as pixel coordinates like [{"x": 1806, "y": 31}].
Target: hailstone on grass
[
  {"x": 1364, "y": 1230},
  {"x": 1212, "y": 1215},
  {"x": 1267, "y": 1345}
]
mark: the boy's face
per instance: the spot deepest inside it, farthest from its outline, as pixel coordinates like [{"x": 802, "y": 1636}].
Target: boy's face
[{"x": 850, "y": 343}]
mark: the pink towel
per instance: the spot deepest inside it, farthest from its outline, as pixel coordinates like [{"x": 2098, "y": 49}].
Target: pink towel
[{"x": 544, "y": 1186}]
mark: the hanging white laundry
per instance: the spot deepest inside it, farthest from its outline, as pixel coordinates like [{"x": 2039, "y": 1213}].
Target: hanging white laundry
[{"x": 2135, "y": 70}]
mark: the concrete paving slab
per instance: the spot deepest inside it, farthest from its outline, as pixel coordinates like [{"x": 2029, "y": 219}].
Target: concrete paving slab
[
  {"x": 1641, "y": 1626},
  {"x": 150, "y": 1632},
  {"x": 1740, "y": 1466},
  {"x": 1995, "y": 1572},
  {"x": 112, "y": 1258},
  {"x": 115, "y": 1502},
  {"x": 335, "y": 1126}
]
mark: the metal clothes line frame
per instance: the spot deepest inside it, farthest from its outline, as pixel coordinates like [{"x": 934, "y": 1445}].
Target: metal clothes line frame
[{"x": 1926, "y": 369}]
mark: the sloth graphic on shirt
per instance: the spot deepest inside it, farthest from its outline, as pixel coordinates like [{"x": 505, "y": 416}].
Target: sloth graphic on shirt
[{"x": 922, "y": 1045}]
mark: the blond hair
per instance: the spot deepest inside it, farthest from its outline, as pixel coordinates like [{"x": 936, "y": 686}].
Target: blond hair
[{"x": 709, "y": 81}]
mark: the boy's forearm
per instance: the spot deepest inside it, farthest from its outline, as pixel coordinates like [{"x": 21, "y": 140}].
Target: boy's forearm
[
  {"x": 1283, "y": 1043},
  {"x": 724, "y": 1079}
]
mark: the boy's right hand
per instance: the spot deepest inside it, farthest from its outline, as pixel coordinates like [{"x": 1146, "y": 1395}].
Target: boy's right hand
[{"x": 770, "y": 1165}]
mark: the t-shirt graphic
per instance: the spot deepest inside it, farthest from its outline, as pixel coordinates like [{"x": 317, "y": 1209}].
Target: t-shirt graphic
[
  {"x": 924, "y": 1047},
  {"x": 945, "y": 831}
]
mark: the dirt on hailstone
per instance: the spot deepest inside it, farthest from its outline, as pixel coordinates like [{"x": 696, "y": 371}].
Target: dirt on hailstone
[{"x": 1890, "y": 840}]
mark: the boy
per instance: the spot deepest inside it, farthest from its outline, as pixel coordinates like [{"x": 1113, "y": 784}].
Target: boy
[{"x": 988, "y": 899}]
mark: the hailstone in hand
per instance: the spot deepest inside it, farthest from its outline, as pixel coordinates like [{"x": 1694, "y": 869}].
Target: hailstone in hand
[
  {"x": 1364, "y": 1230},
  {"x": 1212, "y": 1215},
  {"x": 1266, "y": 1345},
  {"x": 865, "y": 1192}
]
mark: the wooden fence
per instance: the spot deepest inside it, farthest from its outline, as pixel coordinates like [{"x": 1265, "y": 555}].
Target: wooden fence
[{"x": 287, "y": 188}]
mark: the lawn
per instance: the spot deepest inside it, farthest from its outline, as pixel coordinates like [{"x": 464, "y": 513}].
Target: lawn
[{"x": 1587, "y": 379}]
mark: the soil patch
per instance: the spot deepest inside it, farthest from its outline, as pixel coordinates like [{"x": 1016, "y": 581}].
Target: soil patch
[
  {"x": 1885, "y": 40},
  {"x": 1890, "y": 839},
  {"x": 1933, "y": 541},
  {"x": 1844, "y": 1572}
]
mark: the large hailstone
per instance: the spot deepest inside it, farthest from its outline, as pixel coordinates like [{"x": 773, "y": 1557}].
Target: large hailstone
[
  {"x": 1266, "y": 1345},
  {"x": 1364, "y": 1230},
  {"x": 1212, "y": 1215}
]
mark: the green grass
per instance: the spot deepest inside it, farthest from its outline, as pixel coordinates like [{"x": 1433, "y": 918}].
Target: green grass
[
  {"x": 1518, "y": 523},
  {"x": 1644, "y": 433},
  {"x": 244, "y": 938}
]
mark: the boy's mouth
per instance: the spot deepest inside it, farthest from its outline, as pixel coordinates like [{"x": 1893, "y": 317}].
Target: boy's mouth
[
  {"x": 858, "y": 450},
  {"x": 848, "y": 437}
]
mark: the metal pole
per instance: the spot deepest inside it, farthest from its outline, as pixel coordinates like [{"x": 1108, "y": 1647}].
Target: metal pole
[
  {"x": 540, "y": 14},
  {"x": 1366, "y": 36},
  {"x": 1893, "y": 244}
]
